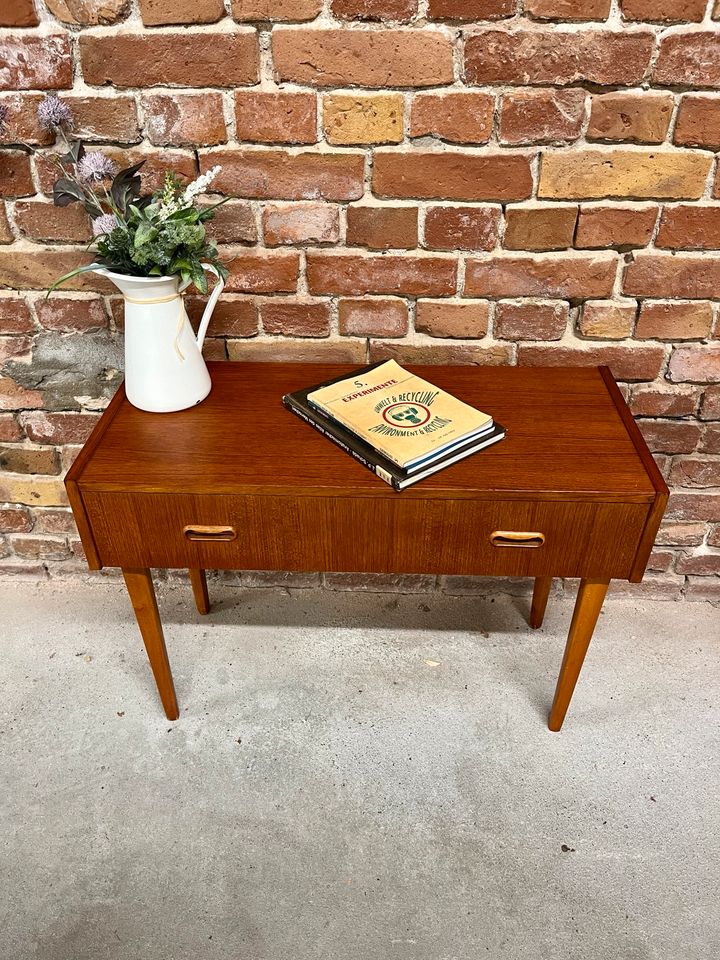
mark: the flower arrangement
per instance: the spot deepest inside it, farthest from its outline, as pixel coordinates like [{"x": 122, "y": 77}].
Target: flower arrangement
[{"x": 142, "y": 236}]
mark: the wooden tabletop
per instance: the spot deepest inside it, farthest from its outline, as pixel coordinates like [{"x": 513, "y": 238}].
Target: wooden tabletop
[{"x": 569, "y": 435}]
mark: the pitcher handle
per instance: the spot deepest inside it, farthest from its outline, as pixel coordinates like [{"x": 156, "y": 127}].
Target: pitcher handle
[{"x": 205, "y": 322}]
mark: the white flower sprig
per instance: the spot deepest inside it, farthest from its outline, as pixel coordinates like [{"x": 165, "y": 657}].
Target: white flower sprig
[{"x": 186, "y": 199}]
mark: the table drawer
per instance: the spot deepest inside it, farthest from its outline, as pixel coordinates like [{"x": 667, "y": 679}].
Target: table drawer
[{"x": 384, "y": 534}]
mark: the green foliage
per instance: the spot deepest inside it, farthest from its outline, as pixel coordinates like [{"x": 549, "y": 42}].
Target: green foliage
[
  {"x": 151, "y": 242},
  {"x": 161, "y": 235}
]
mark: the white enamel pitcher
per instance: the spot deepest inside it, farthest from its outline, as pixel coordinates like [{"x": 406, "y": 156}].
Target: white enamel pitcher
[{"x": 164, "y": 366}]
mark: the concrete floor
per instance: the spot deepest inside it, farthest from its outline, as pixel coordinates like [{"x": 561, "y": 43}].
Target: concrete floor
[{"x": 355, "y": 777}]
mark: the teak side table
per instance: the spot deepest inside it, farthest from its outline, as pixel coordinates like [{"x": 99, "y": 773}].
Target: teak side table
[{"x": 238, "y": 482}]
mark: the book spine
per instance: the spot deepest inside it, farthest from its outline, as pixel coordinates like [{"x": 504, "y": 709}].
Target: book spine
[{"x": 378, "y": 471}]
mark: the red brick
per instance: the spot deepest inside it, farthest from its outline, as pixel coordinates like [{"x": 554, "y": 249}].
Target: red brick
[
  {"x": 35, "y": 62},
  {"x": 695, "y": 472},
  {"x": 58, "y": 428},
  {"x": 658, "y": 402},
  {"x": 262, "y": 271},
  {"x": 170, "y": 59},
  {"x": 710, "y": 442},
  {"x": 401, "y": 10},
  {"x": 38, "y": 269},
  {"x": 263, "y": 117},
  {"x": 43, "y": 221},
  {"x": 697, "y": 364},
  {"x": 233, "y": 316},
  {"x": 698, "y": 121},
  {"x": 96, "y": 118},
  {"x": 157, "y": 13},
  {"x": 363, "y": 58},
  {"x": 689, "y": 227},
  {"x": 541, "y": 116},
  {"x": 530, "y": 321},
  {"x": 373, "y": 318},
  {"x": 296, "y": 318},
  {"x": 15, "y": 348},
  {"x": 661, "y": 561},
  {"x": 285, "y": 223},
  {"x": 18, "y": 13},
  {"x": 156, "y": 164},
  {"x": 184, "y": 119},
  {"x": 702, "y": 588},
  {"x": 71, "y": 316},
  {"x": 631, "y": 117},
  {"x": 298, "y": 351},
  {"x": 457, "y": 117},
  {"x": 382, "y": 228},
  {"x": 470, "y": 9},
  {"x": 15, "y": 176},
  {"x": 568, "y": 9},
  {"x": 279, "y": 175},
  {"x": 689, "y": 59},
  {"x": 39, "y": 548},
  {"x": 714, "y": 536},
  {"x": 455, "y": 176},
  {"x": 670, "y": 436},
  {"x": 293, "y": 10},
  {"x": 543, "y": 227},
  {"x": 442, "y": 353},
  {"x": 233, "y": 222},
  {"x": 462, "y": 320},
  {"x": 663, "y": 11},
  {"x": 88, "y": 13},
  {"x": 15, "y": 316},
  {"x": 680, "y": 534},
  {"x": 690, "y": 320},
  {"x": 546, "y": 56},
  {"x": 15, "y": 520},
  {"x": 688, "y": 276},
  {"x": 351, "y": 275},
  {"x": 607, "y": 320},
  {"x": 561, "y": 275},
  {"x": 704, "y": 565},
  {"x": 710, "y": 408},
  {"x": 462, "y": 228},
  {"x": 14, "y": 397},
  {"x": 54, "y": 522},
  {"x": 626, "y": 363},
  {"x": 9, "y": 428},
  {"x": 613, "y": 225}
]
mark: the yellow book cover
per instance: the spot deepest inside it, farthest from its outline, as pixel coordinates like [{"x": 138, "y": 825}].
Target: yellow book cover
[{"x": 403, "y": 416}]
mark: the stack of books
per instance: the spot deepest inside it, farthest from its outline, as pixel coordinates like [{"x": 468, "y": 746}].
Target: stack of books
[{"x": 395, "y": 423}]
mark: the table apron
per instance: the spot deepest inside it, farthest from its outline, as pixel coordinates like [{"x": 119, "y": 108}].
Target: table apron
[{"x": 388, "y": 535}]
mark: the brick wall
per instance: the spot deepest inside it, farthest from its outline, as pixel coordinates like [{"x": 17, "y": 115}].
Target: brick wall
[{"x": 473, "y": 181}]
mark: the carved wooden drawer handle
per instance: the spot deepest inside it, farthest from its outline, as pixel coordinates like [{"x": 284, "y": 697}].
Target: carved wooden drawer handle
[
  {"x": 199, "y": 532},
  {"x": 516, "y": 538}
]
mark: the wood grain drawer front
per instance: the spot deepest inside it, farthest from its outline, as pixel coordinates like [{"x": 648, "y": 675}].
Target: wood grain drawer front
[{"x": 393, "y": 535}]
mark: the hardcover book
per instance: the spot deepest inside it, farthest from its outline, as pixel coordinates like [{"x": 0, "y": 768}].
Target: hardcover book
[
  {"x": 367, "y": 455},
  {"x": 407, "y": 419}
]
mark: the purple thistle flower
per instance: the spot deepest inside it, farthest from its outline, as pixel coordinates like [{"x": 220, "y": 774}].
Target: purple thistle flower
[
  {"x": 95, "y": 166},
  {"x": 104, "y": 224},
  {"x": 53, "y": 113},
  {"x": 4, "y": 114}
]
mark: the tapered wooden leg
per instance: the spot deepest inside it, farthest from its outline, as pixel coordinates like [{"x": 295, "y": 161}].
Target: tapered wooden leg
[
  {"x": 200, "y": 590},
  {"x": 142, "y": 594},
  {"x": 587, "y": 610},
  {"x": 541, "y": 593}
]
